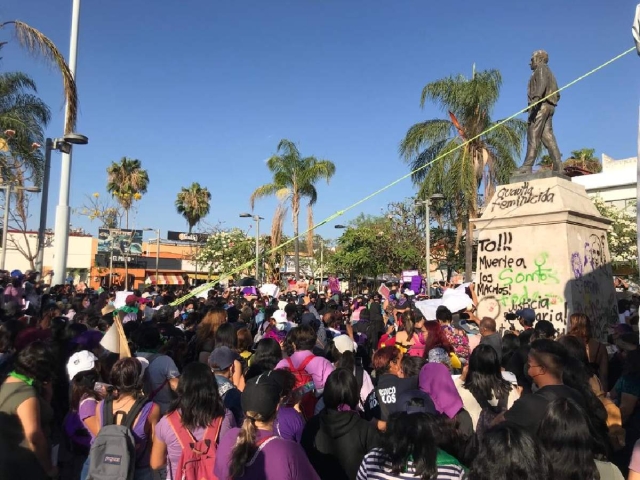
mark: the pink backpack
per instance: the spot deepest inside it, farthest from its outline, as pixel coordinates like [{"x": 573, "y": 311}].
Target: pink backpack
[{"x": 198, "y": 457}]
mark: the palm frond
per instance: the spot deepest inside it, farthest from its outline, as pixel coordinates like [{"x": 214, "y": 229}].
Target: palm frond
[
  {"x": 309, "y": 230},
  {"x": 263, "y": 191},
  {"x": 41, "y": 46},
  {"x": 422, "y": 135}
]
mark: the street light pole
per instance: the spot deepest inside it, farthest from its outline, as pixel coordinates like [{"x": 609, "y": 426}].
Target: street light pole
[
  {"x": 256, "y": 218},
  {"x": 63, "y": 211},
  {"x": 44, "y": 205},
  {"x": 157, "y": 254},
  {"x": 427, "y": 226},
  {"x": 321, "y": 260}
]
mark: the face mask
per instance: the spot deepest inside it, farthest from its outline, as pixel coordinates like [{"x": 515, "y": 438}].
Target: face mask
[
  {"x": 189, "y": 310},
  {"x": 281, "y": 326}
]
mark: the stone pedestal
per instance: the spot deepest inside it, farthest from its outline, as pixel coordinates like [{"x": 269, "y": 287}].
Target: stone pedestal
[{"x": 542, "y": 244}]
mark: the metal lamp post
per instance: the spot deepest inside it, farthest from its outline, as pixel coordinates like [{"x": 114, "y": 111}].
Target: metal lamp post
[
  {"x": 256, "y": 218},
  {"x": 7, "y": 205},
  {"x": 157, "y": 249},
  {"x": 427, "y": 226},
  {"x": 63, "y": 211},
  {"x": 62, "y": 145}
]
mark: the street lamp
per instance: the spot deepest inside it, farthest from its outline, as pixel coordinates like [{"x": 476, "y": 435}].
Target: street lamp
[
  {"x": 157, "y": 248},
  {"x": 62, "y": 145},
  {"x": 8, "y": 188},
  {"x": 427, "y": 226},
  {"x": 340, "y": 227},
  {"x": 256, "y": 218},
  {"x": 63, "y": 211}
]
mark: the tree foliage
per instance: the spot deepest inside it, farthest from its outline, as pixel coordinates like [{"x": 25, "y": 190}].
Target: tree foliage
[
  {"x": 227, "y": 250},
  {"x": 623, "y": 232},
  {"x": 127, "y": 181},
  {"x": 294, "y": 180},
  {"x": 487, "y": 159},
  {"x": 193, "y": 203},
  {"x": 39, "y": 45}
]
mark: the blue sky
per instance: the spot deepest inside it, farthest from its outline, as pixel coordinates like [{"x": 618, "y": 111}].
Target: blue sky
[{"x": 204, "y": 90}]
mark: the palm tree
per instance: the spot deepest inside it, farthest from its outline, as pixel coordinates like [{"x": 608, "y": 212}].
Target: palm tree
[
  {"x": 193, "y": 203},
  {"x": 471, "y": 158},
  {"x": 127, "y": 181},
  {"x": 35, "y": 42},
  {"x": 584, "y": 158},
  {"x": 294, "y": 179},
  {"x": 23, "y": 117}
]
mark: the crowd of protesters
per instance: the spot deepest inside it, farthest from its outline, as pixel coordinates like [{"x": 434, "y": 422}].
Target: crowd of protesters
[{"x": 315, "y": 383}]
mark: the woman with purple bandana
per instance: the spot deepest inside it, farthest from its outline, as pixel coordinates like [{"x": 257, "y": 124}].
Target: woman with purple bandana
[{"x": 435, "y": 380}]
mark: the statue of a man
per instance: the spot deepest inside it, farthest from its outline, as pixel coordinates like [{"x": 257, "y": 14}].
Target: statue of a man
[{"x": 541, "y": 84}]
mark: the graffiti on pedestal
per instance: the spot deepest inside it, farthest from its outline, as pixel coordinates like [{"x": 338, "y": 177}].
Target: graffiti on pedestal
[
  {"x": 508, "y": 282},
  {"x": 593, "y": 291},
  {"x": 511, "y": 197}
]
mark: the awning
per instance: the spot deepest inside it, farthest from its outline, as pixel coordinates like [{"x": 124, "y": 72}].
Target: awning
[{"x": 165, "y": 279}]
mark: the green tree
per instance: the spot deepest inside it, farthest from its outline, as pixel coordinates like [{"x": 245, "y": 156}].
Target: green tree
[
  {"x": 623, "y": 231},
  {"x": 294, "y": 179},
  {"x": 193, "y": 203},
  {"x": 36, "y": 43},
  {"x": 127, "y": 181},
  {"x": 226, "y": 250},
  {"x": 584, "y": 158},
  {"x": 487, "y": 159},
  {"x": 23, "y": 118}
]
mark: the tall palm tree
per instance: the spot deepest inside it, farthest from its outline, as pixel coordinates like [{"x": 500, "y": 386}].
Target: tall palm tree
[
  {"x": 35, "y": 42},
  {"x": 23, "y": 117},
  {"x": 294, "y": 179},
  {"x": 486, "y": 159},
  {"x": 193, "y": 203},
  {"x": 127, "y": 181}
]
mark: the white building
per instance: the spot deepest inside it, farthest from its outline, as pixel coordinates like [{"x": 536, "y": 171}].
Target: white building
[
  {"x": 80, "y": 254},
  {"x": 616, "y": 184}
]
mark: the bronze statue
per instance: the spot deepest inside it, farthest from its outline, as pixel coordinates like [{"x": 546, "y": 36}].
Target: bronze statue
[{"x": 542, "y": 84}]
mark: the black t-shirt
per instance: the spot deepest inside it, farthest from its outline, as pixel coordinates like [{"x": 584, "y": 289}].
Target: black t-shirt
[
  {"x": 529, "y": 410},
  {"x": 388, "y": 392}
]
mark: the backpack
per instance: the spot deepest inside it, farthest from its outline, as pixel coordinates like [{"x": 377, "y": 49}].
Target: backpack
[
  {"x": 198, "y": 457},
  {"x": 113, "y": 453},
  {"x": 489, "y": 413},
  {"x": 305, "y": 387}
]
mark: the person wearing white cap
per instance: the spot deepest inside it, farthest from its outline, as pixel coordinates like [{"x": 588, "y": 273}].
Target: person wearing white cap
[
  {"x": 343, "y": 355},
  {"x": 83, "y": 376}
]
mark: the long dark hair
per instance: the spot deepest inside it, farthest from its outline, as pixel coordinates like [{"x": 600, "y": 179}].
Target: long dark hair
[
  {"x": 36, "y": 361},
  {"x": 341, "y": 388},
  {"x": 508, "y": 452},
  {"x": 126, "y": 377},
  {"x": 484, "y": 378},
  {"x": 82, "y": 385},
  {"x": 198, "y": 399},
  {"x": 408, "y": 437},
  {"x": 226, "y": 336},
  {"x": 267, "y": 355},
  {"x": 576, "y": 375},
  {"x": 565, "y": 437}
]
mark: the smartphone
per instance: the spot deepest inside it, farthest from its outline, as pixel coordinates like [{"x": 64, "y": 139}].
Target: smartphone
[{"x": 102, "y": 388}]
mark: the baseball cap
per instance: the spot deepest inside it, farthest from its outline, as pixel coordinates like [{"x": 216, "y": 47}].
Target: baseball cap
[
  {"x": 527, "y": 314},
  {"x": 344, "y": 343},
  {"x": 132, "y": 300},
  {"x": 81, "y": 362},
  {"x": 221, "y": 358},
  {"x": 262, "y": 395}
]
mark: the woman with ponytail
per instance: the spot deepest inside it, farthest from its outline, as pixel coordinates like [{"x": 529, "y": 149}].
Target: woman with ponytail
[{"x": 254, "y": 451}]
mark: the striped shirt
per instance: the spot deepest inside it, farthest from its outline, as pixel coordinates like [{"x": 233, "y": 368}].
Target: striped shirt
[{"x": 376, "y": 466}]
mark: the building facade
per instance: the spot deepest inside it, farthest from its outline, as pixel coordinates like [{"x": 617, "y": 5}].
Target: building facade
[{"x": 616, "y": 184}]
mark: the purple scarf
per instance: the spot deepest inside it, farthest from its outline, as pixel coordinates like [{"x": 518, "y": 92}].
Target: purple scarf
[{"x": 435, "y": 380}]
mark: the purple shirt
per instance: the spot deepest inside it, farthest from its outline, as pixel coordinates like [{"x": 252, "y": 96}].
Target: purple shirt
[
  {"x": 289, "y": 424},
  {"x": 139, "y": 434},
  {"x": 277, "y": 459},
  {"x": 165, "y": 434},
  {"x": 319, "y": 368}
]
